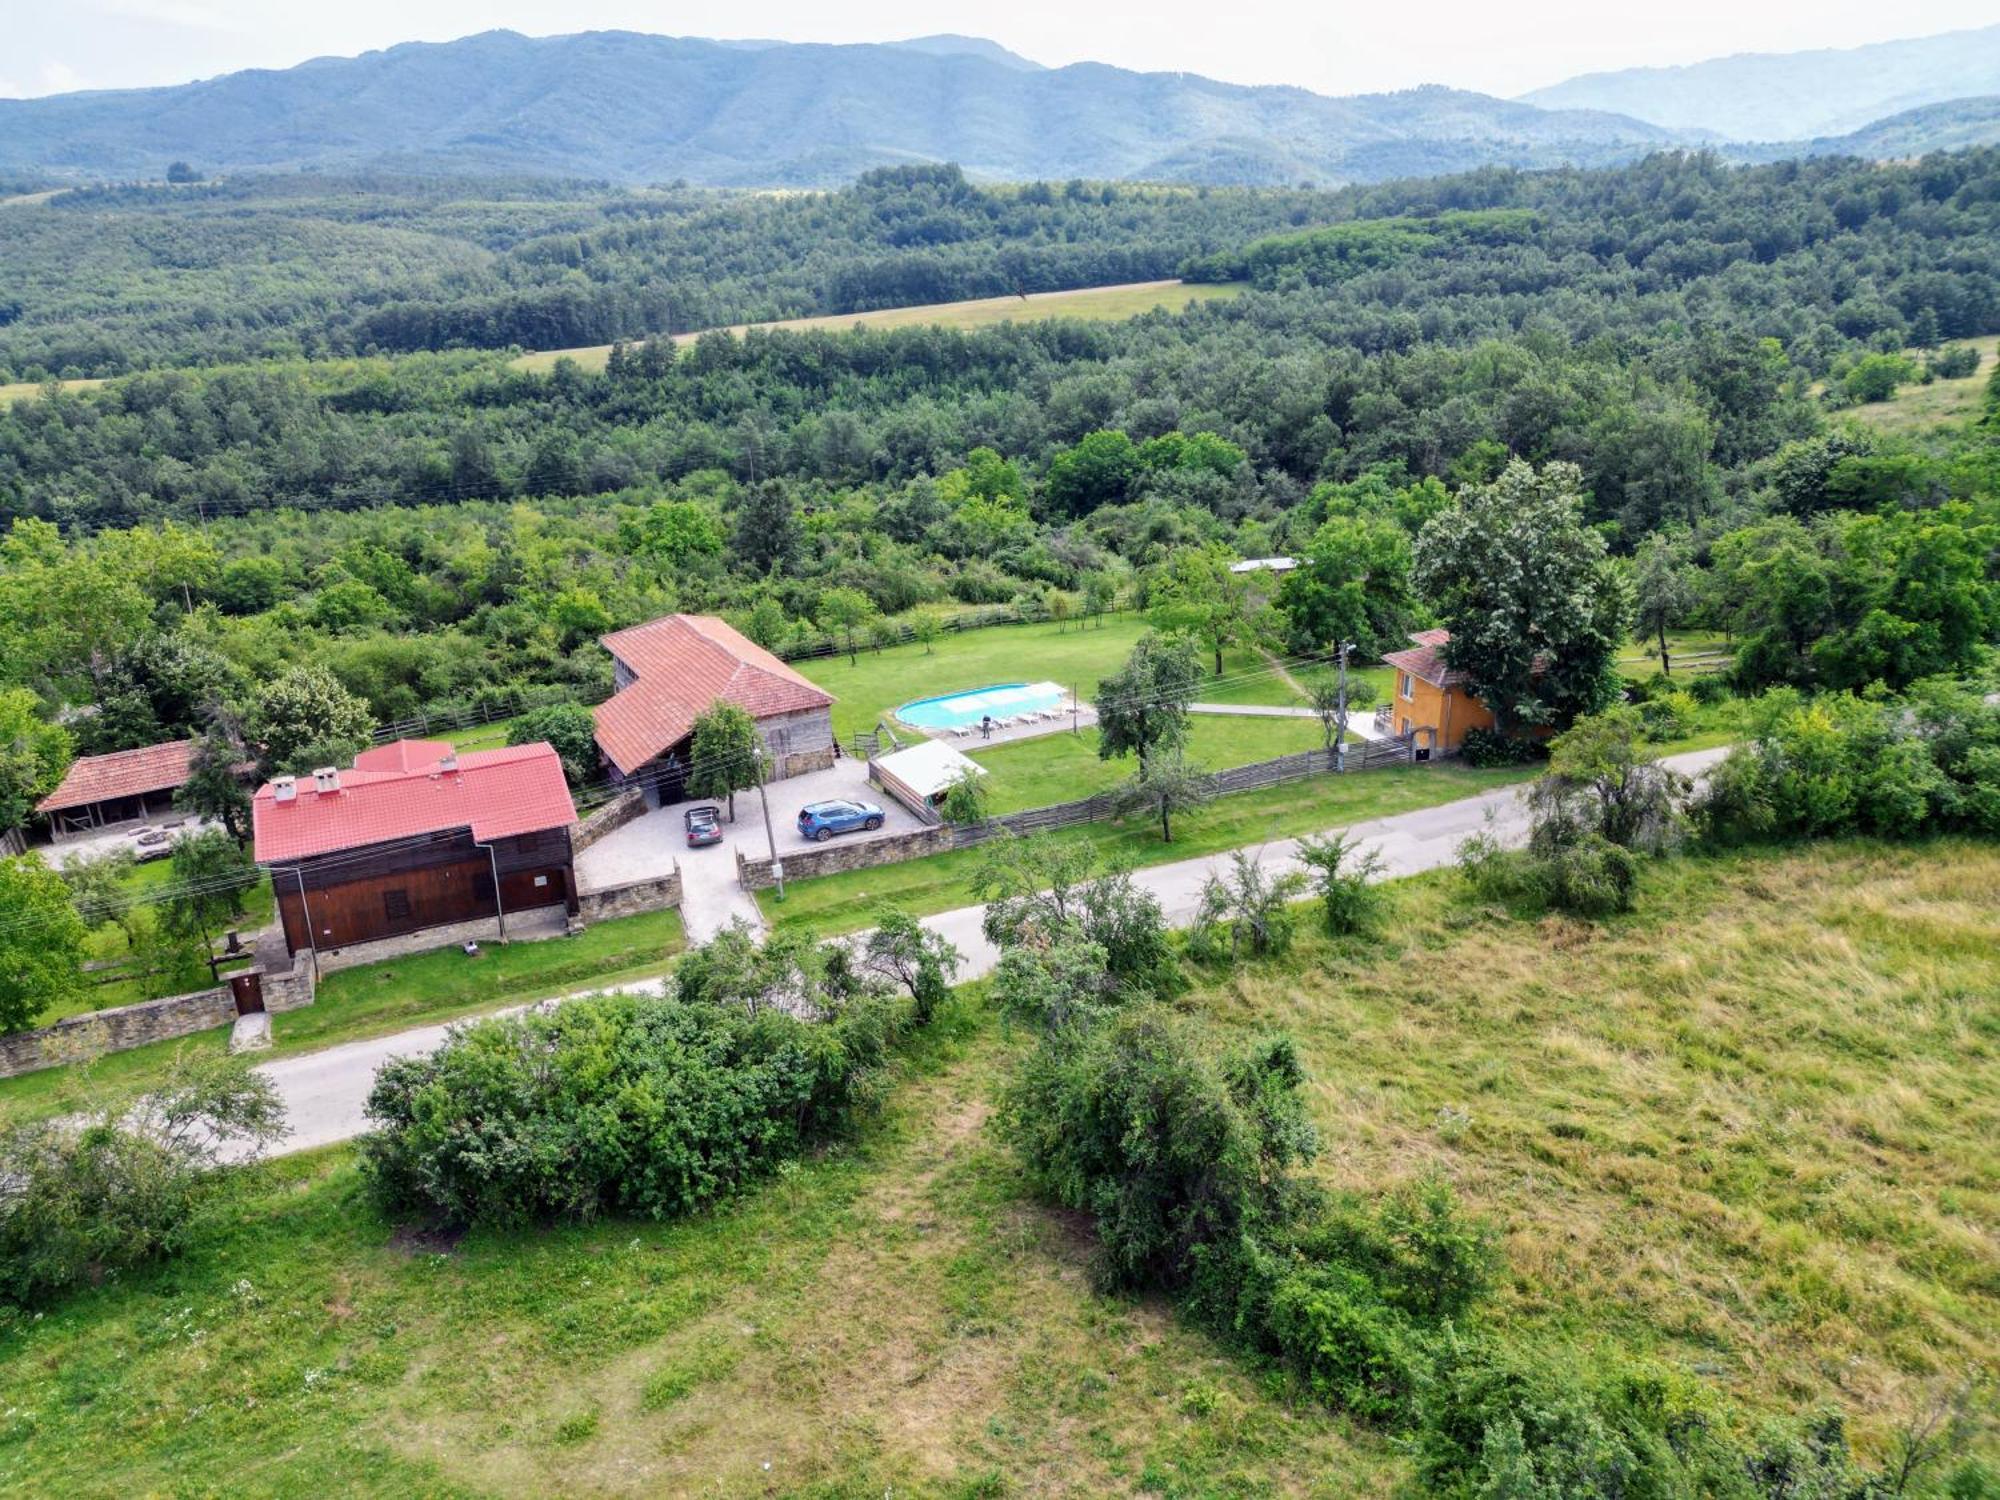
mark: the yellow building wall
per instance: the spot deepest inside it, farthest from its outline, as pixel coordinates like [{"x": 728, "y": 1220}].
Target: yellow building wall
[{"x": 1449, "y": 712}]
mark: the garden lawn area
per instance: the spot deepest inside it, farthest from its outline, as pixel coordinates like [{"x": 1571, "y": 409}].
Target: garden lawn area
[
  {"x": 1063, "y": 767},
  {"x": 943, "y": 882},
  {"x": 480, "y": 736},
  {"x": 1752, "y": 1129},
  {"x": 109, "y": 941},
  {"x": 1641, "y": 659},
  {"x": 374, "y": 999},
  {"x": 1076, "y": 654}
]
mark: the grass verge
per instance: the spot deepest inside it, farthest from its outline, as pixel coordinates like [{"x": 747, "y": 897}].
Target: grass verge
[{"x": 375, "y": 999}]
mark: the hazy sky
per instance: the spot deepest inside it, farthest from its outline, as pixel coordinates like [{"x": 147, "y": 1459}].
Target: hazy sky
[{"x": 1333, "y": 46}]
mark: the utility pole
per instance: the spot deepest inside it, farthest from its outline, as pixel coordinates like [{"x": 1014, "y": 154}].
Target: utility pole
[
  {"x": 770, "y": 835},
  {"x": 1340, "y": 713}
]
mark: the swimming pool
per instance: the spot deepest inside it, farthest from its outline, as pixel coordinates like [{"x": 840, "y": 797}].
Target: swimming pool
[{"x": 1003, "y": 700}]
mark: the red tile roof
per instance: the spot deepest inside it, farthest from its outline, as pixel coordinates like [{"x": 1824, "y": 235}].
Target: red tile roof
[
  {"x": 683, "y": 664},
  {"x": 495, "y": 793},
  {"x": 403, "y": 755},
  {"x": 125, "y": 773},
  {"x": 1426, "y": 659}
]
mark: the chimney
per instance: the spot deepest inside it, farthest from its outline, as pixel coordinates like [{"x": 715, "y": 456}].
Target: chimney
[
  {"x": 326, "y": 779},
  {"x": 448, "y": 763},
  {"x": 284, "y": 789}
]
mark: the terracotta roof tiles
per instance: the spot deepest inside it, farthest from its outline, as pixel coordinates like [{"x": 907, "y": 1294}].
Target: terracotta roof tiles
[{"x": 124, "y": 773}]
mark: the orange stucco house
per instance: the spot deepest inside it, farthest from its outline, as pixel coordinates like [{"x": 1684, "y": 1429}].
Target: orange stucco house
[{"x": 1431, "y": 696}]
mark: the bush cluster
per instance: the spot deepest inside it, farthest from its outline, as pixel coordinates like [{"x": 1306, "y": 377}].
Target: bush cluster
[
  {"x": 79, "y": 1199},
  {"x": 1486, "y": 748},
  {"x": 1928, "y": 762},
  {"x": 622, "y": 1104}
]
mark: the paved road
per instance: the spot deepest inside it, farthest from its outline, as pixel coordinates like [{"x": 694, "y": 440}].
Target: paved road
[{"x": 325, "y": 1092}]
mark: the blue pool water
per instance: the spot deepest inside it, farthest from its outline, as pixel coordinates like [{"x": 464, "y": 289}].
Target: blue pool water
[{"x": 1003, "y": 700}]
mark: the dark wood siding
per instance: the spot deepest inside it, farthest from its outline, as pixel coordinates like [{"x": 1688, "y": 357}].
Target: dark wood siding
[{"x": 389, "y": 890}]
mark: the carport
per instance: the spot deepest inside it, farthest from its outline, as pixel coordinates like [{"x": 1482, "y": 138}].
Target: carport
[{"x": 920, "y": 776}]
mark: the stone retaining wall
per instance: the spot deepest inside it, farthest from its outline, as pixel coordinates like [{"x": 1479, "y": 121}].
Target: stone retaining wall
[
  {"x": 853, "y": 854},
  {"x": 624, "y": 808},
  {"x": 631, "y": 898},
  {"x": 126, "y": 1026}
]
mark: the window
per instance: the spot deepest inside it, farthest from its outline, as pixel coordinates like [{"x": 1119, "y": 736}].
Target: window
[
  {"x": 1409, "y": 686},
  {"x": 396, "y": 905}
]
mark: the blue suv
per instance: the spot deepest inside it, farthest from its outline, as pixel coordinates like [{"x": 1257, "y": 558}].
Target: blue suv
[{"x": 820, "y": 821}]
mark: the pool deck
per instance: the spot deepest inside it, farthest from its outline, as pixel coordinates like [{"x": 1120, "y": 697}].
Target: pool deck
[{"x": 1083, "y": 718}]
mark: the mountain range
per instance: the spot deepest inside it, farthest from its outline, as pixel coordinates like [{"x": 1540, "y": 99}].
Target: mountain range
[
  {"x": 1793, "y": 96},
  {"x": 631, "y": 107}
]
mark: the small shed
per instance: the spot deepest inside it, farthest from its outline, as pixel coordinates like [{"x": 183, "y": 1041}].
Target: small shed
[
  {"x": 1264, "y": 565},
  {"x": 920, "y": 776}
]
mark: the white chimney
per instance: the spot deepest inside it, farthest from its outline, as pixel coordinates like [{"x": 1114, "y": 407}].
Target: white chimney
[
  {"x": 284, "y": 789},
  {"x": 326, "y": 779},
  {"x": 448, "y": 763}
]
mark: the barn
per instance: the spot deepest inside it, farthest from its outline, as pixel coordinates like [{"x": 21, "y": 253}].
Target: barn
[
  {"x": 412, "y": 837},
  {"x": 668, "y": 671}
]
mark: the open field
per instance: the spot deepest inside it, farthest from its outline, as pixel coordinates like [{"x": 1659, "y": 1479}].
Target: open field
[
  {"x": 1096, "y": 303},
  {"x": 1777, "y": 1174},
  {"x": 374, "y": 999},
  {"x": 29, "y": 390},
  {"x": 1919, "y": 409}
]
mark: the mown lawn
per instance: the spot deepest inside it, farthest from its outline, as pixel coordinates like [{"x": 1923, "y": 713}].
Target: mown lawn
[
  {"x": 845, "y": 902},
  {"x": 373, "y": 999},
  {"x": 1063, "y": 767},
  {"x": 1753, "y": 1129}
]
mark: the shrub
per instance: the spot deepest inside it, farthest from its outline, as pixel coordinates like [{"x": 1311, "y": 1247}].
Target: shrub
[
  {"x": 1246, "y": 912},
  {"x": 902, "y": 951},
  {"x": 1488, "y": 748},
  {"x": 1709, "y": 688},
  {"x": 1175, "y": 1158},
  {"x": 1039, "y": 891},
  {"x": 620, "y": 1104},
  {"x": 1669, "y": 715},
  {"x": 111, "y": 1193},
  {"x": 1344, "y": 875},
  {"x": 965, "y": 800},
  {"x": 1955, "y": 362}
]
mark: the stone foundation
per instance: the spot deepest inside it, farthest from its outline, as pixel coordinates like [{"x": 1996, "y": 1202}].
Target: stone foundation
[{"x": 528, "y": 925}]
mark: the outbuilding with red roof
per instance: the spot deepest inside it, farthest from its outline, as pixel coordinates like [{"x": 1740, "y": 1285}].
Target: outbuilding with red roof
[
  {"x": 414, "y": 836},
  {"x": 668, "y": 671},
  {"x": 127, "y": 786}
]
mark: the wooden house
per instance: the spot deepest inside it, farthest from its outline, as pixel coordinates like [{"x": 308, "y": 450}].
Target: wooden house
[{"x": 413, "y": 837}]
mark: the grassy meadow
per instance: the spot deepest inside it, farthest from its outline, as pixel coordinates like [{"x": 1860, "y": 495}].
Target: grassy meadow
[
  {"x": 1752, "y": 1129},
  {"x": 1916, "y": 410},
  {"x": 1094, "y": 304}
]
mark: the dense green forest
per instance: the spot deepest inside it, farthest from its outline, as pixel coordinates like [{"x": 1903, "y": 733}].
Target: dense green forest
[
  {"x": 101, "y": 281},
  {"x": 445, "y": 531}
]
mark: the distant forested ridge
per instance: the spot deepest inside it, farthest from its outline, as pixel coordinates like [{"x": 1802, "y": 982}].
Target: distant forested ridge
[
  {"x": 107, "y": 280},
  {"x": 637, "y": 108}
]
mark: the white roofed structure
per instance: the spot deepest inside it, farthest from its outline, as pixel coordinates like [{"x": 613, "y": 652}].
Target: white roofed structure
[{"x": 924, "y": 772}]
